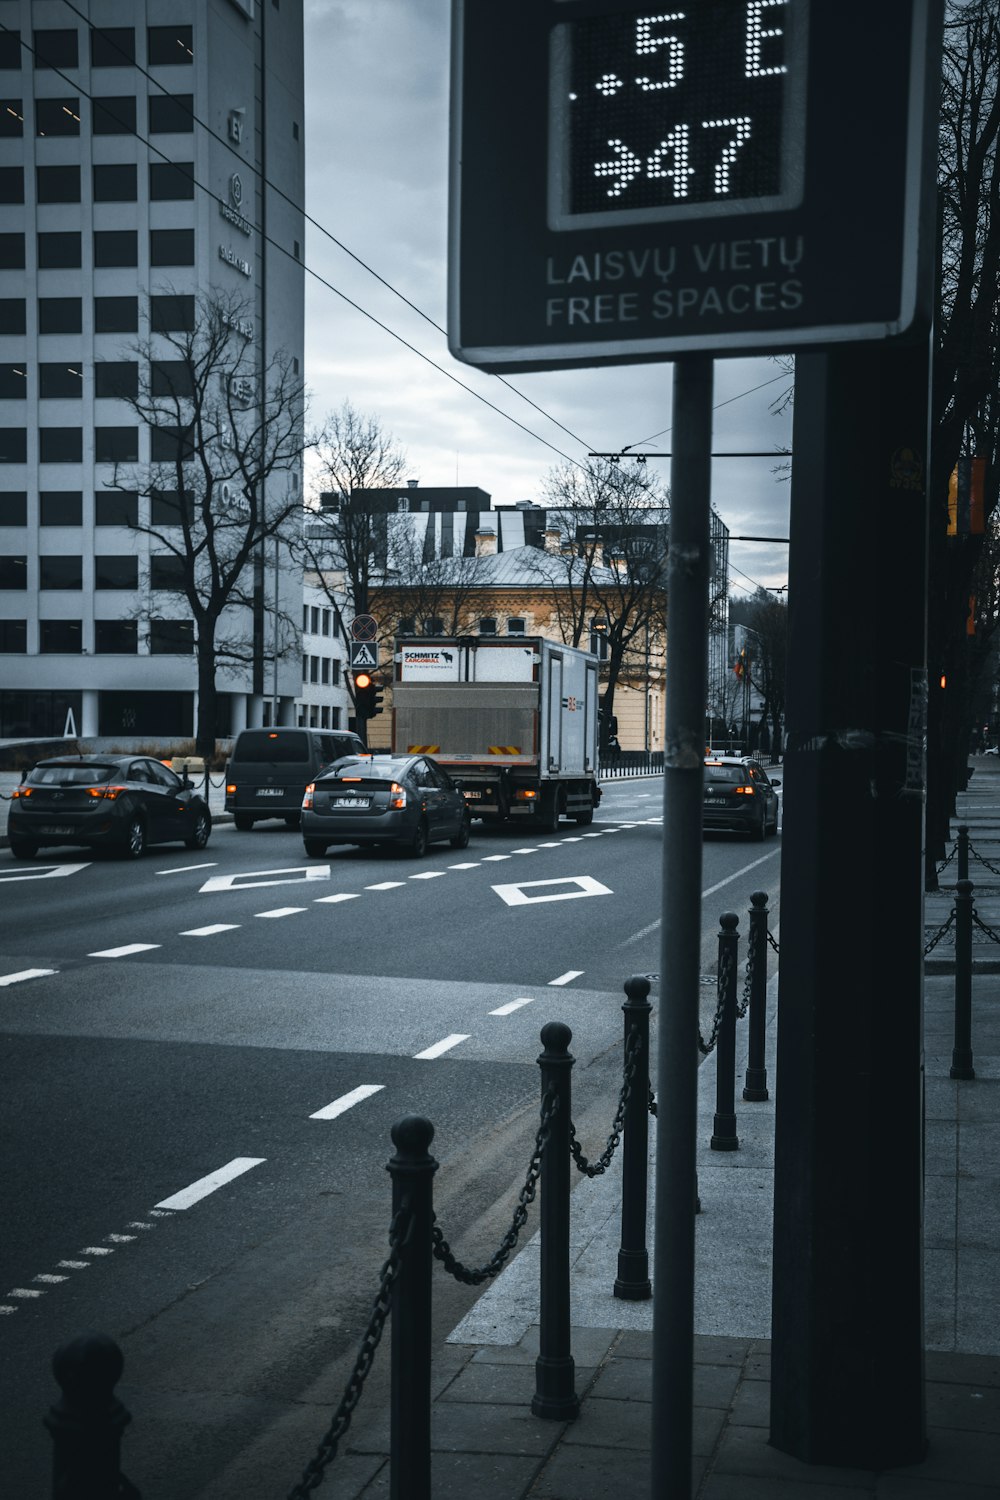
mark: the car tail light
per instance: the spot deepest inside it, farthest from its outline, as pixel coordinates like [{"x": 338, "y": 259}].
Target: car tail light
[
  {"x": 20, "y": 791},
  {"x": 307, "y": 796},
  {"x": 397, "y": 795},
  {"x": 746, "y": 791},
  {"x": 230, "y": 788},
  {"x": 528, "y": 794},
  {"x": 110, "y": 792}
]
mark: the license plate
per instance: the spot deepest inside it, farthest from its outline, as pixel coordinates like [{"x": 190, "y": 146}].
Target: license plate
[
  {"x": 53, "y": 829},
  {"x": 352, "y": 801},
  {"x": 472, "y": 796},
  {"x": 270, "y": 791},
  {"x": 717, "y": 800}
]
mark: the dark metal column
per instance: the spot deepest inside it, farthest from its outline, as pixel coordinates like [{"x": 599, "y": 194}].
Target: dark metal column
[{"x": 680, "y": 984}]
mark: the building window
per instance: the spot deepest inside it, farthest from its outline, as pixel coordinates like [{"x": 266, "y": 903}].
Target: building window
[
  {"x": 166, "y": 571},
  {"x": 112, "y": 47},
  {"x": 60, "y": 508},
  {"x": 58, "y": 184},
  {"x": 172, "y": 444},
  {"x": 116, "y": 378},
  {"x": 10, "y": 50},
  {"x": 167, "y": 508},
  {"x": 305, "y": 669},
  {"x": 116, "y": 637},
  {"x": 315, "y": 619},
  {"x": 305, "y": 617},
  {"x": 116, "y": 314},
  {"x": 60, "y": 571},
  {"x": 56, "y": 49},
  {"x": 172, "y": 377},
  {"x": 60, "y": 315},
  {"x": 116, "y": 183},
  {"x": 11, "y": 252},
  {"x": 487, "y": 625},
  {"x": 13, "y": 637},
  {"x": 60, "y": 380},
  {"x": 116, "y": 508},
  {"x": 14, "y": 382},
  {"x": 13, "y": 507},
  {"x": 169, "y": 44},
  {"x": 13, "y": 571},
  {"x": 13, "y": 445},
  {"x": 62, "y": 251},
  {"x": 116, "y": 247},
  {"x": 170, "y": 114},
  {"x": 11, "y": 184},
  {"x": 335, "y": 673},
  {"x": 314, "y": 669},
  {"x": 116, "y": 445},
  {"x": 326, "y": 619},
  {"x": 171, "y": 247},
  {"x": 325, "y": 671},
  {"x": 171, "y": 637},
  {"x": 116, "y": 571},
  {"x": 60, "y": 637},
  {"x": 113, "y": 115},
  {"x": 171, "y": 181},
  {"x": 407, "y": 625},
  {"x": 12, "y": 318},
  {"x": 60, "y": 445},
  {"x": 171, "y": 314},
  {"x": 433, "y": 625},
  {"x": 11, "y": 117},
  {"x": 57, "y": 116}
]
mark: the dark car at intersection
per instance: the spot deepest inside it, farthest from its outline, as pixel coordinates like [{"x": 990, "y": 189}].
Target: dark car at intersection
[
  {"x": 739, "y": 797},
  {"x": 407, "y": 800},
  {"x": 124, "y": 802}
]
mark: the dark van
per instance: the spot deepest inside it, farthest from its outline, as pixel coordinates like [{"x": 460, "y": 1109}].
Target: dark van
[{"x": 269, "y": 769}]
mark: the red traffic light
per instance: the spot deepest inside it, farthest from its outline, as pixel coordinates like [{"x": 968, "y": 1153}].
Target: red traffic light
[{"x": 362, "y": 680}]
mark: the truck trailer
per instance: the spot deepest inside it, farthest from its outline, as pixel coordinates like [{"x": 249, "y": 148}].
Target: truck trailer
[{"x": 512, "y": 718}]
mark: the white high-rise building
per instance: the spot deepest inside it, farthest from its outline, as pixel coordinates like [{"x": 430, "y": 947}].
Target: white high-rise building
[{"x": 139, "y": 142}]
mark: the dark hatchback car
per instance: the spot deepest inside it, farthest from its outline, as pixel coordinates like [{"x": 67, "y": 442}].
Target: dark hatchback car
[
  {"x": 383, "y": 799},
  {"x": 739, "y": 796},
  {"x": 122, "y": 801}
]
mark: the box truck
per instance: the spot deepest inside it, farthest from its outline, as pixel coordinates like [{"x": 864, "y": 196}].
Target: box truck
[{"x": 512, "y": 718}]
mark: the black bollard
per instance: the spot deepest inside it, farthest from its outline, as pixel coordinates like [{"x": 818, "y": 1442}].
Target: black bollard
[
  {"x": 755, "y": 1089},
  {"x": 724, "y": 1137},
  {"x": 961, "y": 1056},
  {"x": 412, "y": 1171},
  {"x": 632, "y": 1283},
  {"x": 963, "y": 852},
  {"x": 555, "y": 1395},
  {"x": 88, "y": 1420}
]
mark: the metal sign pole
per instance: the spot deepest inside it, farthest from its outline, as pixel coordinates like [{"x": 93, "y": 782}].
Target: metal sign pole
[{"x": 680, "y": 962}]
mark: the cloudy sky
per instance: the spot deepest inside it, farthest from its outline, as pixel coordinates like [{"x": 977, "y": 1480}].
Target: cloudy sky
[{"x": 376, "y": 179}]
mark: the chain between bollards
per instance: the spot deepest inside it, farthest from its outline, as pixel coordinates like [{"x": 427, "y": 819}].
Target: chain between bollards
[
  {"x": 555, "y": 1395},
  {"x": 961, "y": 1057},
  {"x": 412, "y": 1171},
  {"x": 724, "y": 1137},
  {"x": 632, "y": 1283},
  {"x": 755, "y": 1089}
]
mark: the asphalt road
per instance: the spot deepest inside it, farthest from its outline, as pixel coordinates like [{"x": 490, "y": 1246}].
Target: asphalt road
[{"x": 203, "y": 1057}]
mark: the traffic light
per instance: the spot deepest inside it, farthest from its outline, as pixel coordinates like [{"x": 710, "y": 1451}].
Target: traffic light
[
  {"x": 364, "y": 696},
  {"x": 376, "y": 698}
]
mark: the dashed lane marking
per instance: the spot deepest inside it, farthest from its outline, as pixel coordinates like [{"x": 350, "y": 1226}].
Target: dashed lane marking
[
  {"x": 340, "y": 896},
  {"x": 48, "y": 1279},
  {"x": 25, "y": 1293},
  {"x": 533, "y": 850},
  {"x": 549, "y": 846},
  {"x": 125, "y": 951},
  {"x": 494, "y": 859},
  {"x": 347, "y": 1101},
  {"x": 442, "y": 1046},
  {"x": 385, "y": 885},
  {"x": 281, "y": 911},
  {"x": 472, "y": 865},
  {"x": 211, "y": 930},
  {"x": 429, "y": 875},
  {"x": 511, "y": 1007},
  {"x": 208, "y": 864},
  {"x": 208, "y": 1184},
  {"x": 568, "y": 977},
  {"x": 26, "y": 974},
  {"x": 96, "y": 1250}
]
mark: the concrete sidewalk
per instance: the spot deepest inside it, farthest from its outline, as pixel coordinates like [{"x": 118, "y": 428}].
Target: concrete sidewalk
[{"x": 487, "y": 1444}]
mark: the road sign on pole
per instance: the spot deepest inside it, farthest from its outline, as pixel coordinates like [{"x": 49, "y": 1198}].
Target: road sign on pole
[
  {"x": 364, "y": 656},
  {"x": 726, "y": 176},
  {"x": 364, "y": 627}
]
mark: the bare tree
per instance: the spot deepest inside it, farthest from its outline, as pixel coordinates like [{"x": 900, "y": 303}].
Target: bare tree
[
  {"x": 766, "y": 618},
  {"x": 222, "y": 484}
]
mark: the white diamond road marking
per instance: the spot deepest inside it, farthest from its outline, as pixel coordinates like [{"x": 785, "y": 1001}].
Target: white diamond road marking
[
  {"x": 442, "y": 1046},
  {"x": 568, "y": 977},
  {"x": 248, "y": 880},
  {"x": 208, "y": 864},
  {"x": 510, "y": 1007},
  {"x": 43, "y": 872},
  {"x": 340, "y": 896},
  {"x": 205, "y": 1185},
  {"x": 347, "y": 1101},
  {"x": 281, "y": 911},
  {"x": 429, "y": 875},
  {"x": 126, "y": 951},
  {"x": 26, "y": 974},
  {"x": 385, "y": 885},
  {"x": 580, "y": 886},
  {"x": 473, "y": 866},
  {"x": 211, "y": 930}
]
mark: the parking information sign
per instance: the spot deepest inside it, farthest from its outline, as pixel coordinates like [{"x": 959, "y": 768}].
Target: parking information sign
[{"x": 714, "y": 175}]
